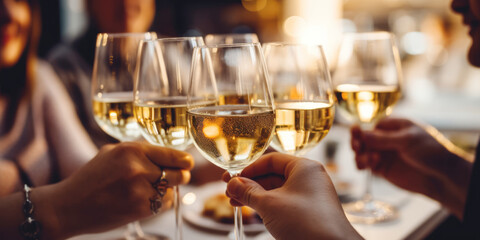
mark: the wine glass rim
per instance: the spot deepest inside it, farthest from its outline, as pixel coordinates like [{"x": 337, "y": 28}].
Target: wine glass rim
[
  {"x": 375, "y": 35},
  {"x": 126, "y": 35},
  {"x": 292, "y": 44},
  {"x": 228, "y": 45},
  {"x": 229, "y": 34},
  {"x": 175, "y": 39}
]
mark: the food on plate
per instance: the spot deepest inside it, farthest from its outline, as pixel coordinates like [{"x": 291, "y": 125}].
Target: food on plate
[{"x": 219, "y": 209}]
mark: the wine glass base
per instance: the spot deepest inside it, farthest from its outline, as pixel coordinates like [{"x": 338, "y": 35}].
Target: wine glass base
[{"x": 369, "y": 212}]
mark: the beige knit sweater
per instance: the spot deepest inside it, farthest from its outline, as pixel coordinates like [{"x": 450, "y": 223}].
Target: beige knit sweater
[{"x": 47, "y": 140}]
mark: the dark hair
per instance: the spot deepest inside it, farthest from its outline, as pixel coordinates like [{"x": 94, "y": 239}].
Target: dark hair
[{"x": 17, "y": 81}]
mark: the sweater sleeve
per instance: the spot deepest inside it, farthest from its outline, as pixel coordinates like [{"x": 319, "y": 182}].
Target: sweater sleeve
[{"x": 67, "y": 138}]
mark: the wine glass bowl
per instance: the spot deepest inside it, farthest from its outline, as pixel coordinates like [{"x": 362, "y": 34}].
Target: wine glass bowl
[
  {"x": 303, "y": 94},
  {"x": 367, "y": 84},
  {"x": 237, "y": 126},
  {"x": 112, "y": 83},
  {"x": 161, "y": 90}
]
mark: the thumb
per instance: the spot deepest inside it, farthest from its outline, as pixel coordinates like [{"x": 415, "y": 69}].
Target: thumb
[{"x": 245, "y": 191}]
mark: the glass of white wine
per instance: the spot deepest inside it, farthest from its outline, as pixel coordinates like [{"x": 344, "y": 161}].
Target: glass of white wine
[
  {"x": 367, "y": 84},
  {"x": 238, "y": 128},
  {"x": 160, "y": 93},
  {"x": 304, "y": 99},
  {"x": 112, "y": 93},
  {"x": 231, "y": 38}
]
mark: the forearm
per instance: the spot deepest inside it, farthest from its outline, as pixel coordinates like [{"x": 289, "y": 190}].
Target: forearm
[
  {"x": 456, "y": 181},
  {"x": 12, "y": 216}
]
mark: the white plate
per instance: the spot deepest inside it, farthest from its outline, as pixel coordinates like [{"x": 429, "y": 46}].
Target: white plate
[{"x": 192, "y": 213}]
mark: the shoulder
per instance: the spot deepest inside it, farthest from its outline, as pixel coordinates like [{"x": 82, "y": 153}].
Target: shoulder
[{"x": 47, "y": 83}]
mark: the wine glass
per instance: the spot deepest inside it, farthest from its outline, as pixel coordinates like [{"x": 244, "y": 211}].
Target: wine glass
[
  {"x": 304, "y": 99},
  {"x": 112, "y": 93},
  {"x": 232, "y": 38},
  {"x": 367, "y": 85},
  {"x": 230, "y": 108},
  {"x": 160, "y": 93}
]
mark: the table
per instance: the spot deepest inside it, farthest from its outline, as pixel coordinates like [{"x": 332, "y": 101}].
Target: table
[{"x": 418, "y": 215}]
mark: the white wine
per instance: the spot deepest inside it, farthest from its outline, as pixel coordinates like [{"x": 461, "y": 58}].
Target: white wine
[
  {"x": 299, "y": 126},
  {"x": 232, "y": 99},
  {"x": 114, "y": 114},
  {"x": 366, "y": 103},
  {"x": 231, "y": 136},
  {"x": 163, "y": 121}
]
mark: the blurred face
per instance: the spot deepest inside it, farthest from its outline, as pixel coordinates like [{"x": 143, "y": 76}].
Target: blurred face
[
  {"x": 470, "y": 10},
  {"x": 15, "y": 16},
  {"x": 116, "y": 16}
]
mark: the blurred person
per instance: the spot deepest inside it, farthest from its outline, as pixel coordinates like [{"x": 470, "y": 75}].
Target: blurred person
[
  {"x": 73, "y": 61},
  {"x": 414, "y": 157},
  {"x": 43, "y": 145}
]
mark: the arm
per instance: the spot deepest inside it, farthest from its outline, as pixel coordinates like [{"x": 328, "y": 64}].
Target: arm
[
  {"x": 111, "y": 190},
  {"x": 66, "y": 136},
  {"x": 294, "y": 197}
]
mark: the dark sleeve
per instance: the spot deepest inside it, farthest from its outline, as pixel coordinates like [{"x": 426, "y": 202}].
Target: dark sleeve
[{"x": 471, "y": 216}]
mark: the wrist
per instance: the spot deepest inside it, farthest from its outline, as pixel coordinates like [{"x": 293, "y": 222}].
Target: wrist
[{"x": 45, "y": 204}]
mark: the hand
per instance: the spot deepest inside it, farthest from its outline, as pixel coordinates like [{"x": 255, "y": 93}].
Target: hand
[
  {"x": 294, "y": 197},
  {"x": 415, "y": 158},
  {"x": 115, "y": 187}
]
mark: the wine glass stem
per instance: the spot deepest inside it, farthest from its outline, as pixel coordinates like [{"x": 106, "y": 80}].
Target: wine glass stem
[
  {"x": 367, "y": 195},
  {"x": 178, "y": 219},
  {"x": 237, "y": 214}
]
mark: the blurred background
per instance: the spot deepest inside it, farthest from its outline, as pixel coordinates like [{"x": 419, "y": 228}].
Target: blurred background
[{"x": 440, "y": 88}]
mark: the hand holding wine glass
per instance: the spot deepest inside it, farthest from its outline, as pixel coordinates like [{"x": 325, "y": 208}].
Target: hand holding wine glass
[
  {"x": 237, "y": 128},
  {"x": 367, "y": 85},
  {"x": 303, "y": 94}
]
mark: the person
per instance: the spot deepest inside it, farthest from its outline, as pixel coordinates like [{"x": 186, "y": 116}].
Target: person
[
  {"x": 415, "y": 157},
  {"x": 73, "y": 62},
  {"x": 43, "y": 145}
]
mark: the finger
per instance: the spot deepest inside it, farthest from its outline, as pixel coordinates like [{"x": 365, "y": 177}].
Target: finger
[
  {"x": 160, "y": 156},
  {"x": 173, "y": 177},
  {"x": 384, "y": 140},
  {"x": 361, "y": 160},
  {"x": 245, "y": 191},
  {"x": 272, "y": 163},
  {"x": 270, "y": 182},
  {"x": 390, "y": 123},
  {"x": 226, "y": 177},
  {"x": 235, "y": 203}
]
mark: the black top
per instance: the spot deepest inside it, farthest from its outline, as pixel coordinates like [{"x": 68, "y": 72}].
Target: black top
[{"x": 471, "y": 216}]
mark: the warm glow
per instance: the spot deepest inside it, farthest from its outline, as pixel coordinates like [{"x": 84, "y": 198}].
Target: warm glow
[
  {"x": 366, "y": 106},
  {"x": 294, "y": 26},
  {"x": 314, "y": 22},
  {"x": 254, "y": 5},
  {"x": 189, "y": 198},
  {"x": 113, "y": 117},
  {"x": 211, "y": 131}
]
